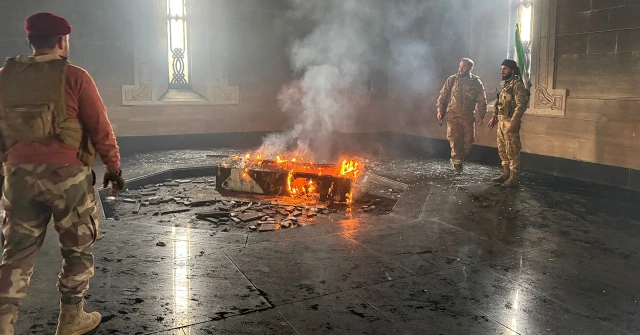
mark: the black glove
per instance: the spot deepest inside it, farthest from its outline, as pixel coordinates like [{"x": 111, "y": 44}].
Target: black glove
[{"x": 117, "y": 182}]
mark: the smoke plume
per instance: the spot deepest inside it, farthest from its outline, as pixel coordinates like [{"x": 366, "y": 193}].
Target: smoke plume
[{"x": 350, "y": 40}]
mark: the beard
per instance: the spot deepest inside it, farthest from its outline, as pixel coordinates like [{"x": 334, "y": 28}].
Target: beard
[{"x": 507, "y": 76}]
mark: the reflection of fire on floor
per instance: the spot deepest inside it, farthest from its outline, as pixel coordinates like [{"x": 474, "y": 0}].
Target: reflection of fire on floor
[{"x": 196, "y": 203}]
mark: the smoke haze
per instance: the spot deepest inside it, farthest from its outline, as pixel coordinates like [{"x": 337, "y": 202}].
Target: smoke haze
[{"x": 349, "y": 41}]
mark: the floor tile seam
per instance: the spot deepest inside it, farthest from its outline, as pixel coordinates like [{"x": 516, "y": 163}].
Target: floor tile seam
[
  {"x": 249, "y": 280},
  {"x": 138, "y": 219},
  {"x": 584, "y": 313},
  {"x": 289, "y": 240},
  {"x": 424, "y": 205},
  {"x": 441, "y": 268},
  {"x": 381, "y": 313},
  {"x": 379, "y": 255},
  {"x": 315, "y": 236},
  {"x": 560, "y": 267},
  {"x": 340, "y": 292},
  {"x": 459, "y": 300},
  {"x": 488, "y": 316},
  {"x": 537, "y": 293},
  {"x": 216, "y": 319},
  {"x": 478, "y": 236},
  {"x": 192, "y": 230},
  {"x": 287, "y": 321}
]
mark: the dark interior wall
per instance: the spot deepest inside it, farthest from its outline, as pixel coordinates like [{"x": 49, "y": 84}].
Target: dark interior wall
[
  {"x": 101, "y": 39},
  {"x": 454, "y": 29},
  {"x": 103, "y": 42}
]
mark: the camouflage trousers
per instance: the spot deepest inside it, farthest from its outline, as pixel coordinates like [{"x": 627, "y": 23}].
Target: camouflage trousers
[
  {"x": 461, "y": 135},
  {"x": 509, "y": 144},
  {"x": 33, "y": 194}
]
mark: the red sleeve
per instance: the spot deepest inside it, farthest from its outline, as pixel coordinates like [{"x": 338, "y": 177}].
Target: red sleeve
[{"x": 93, "y": 115}]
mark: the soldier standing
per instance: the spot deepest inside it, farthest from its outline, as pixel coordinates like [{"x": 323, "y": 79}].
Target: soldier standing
[
  {"x": 51, "y": 115},
  {"x": 458, "y": 99},
  {"x": 510, "y": 106}
]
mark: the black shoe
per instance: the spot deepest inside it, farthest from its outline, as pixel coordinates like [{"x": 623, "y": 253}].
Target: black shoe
[{"x": 458, "y": 168}]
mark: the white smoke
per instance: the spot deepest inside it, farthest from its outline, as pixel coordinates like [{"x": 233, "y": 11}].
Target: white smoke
[{"x": 350, "y": 40}]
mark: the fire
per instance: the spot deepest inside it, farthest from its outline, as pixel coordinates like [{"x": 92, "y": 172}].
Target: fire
[
  {"x": 300, "y": 186},
  {"x": 296, "y": 165},
  {"x": 349, "y": 167},
  {"x": 349, "y": 197}
]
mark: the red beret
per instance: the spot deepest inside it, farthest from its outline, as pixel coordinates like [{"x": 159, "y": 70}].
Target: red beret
[{"x": 46, "y": 25}]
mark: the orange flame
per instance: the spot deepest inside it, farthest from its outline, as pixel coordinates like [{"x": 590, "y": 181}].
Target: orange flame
[
  {"x": 349, "y": 197},
  {"x": 349, "y": 167}
]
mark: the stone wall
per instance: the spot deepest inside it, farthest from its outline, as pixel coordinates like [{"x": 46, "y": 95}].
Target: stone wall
[
  {"x": 596, "y": 48},
  {"x": 111, "y": 37}
]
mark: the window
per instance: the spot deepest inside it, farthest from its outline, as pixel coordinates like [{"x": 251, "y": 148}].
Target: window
[
  {"x": 178, "y": 42},
  {"x": 525, "y": 23}
]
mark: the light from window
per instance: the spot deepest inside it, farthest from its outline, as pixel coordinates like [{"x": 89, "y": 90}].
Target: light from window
[
  {"x": 178, "y": 43},
  {"x": 525, "y": 22}
]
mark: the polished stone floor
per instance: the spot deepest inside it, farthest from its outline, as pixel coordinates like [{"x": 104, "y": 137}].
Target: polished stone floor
[{"x": 457, "y": 256}]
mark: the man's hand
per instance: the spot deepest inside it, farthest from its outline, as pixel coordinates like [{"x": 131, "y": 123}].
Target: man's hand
[
  {"x": 117, "y": 182},
  {"x": 440, "y": 117},
  {"x": 479, "y": 120},
  {"x": 493, "y": 122}
]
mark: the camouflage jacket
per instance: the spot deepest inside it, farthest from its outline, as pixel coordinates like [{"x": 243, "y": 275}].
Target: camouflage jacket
[
  {"x": 513, "y": 99},
  {"x": 460, "y": 95}
]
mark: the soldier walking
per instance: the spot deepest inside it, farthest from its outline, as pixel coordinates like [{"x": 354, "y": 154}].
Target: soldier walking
[
  {"x": 51, "y": 116},
  {"x": 510, "y": 106},
  {"x": 458, "y": 99}
]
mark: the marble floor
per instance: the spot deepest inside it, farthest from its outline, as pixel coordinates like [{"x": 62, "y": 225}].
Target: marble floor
[{"x": 457, "y": 255}]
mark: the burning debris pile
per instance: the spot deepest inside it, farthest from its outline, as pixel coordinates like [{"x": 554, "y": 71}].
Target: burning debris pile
[
  {"x": 291, "y": 176},
  {"x": 197, "y": 204}
]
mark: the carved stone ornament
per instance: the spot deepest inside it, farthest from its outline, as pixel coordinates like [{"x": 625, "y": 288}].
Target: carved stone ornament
[{"x": 547, "y": 99}]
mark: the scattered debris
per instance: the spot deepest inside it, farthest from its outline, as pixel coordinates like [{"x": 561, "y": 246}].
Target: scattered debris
[
  {"x": 136, "y": 209},
  {"x": 216, "y": 214},
  {"x": 203, "y": 203},
  {"x": 161, "y": 244},
  {"x": 250, "y": 216},
  {"x": 174, "y": 211},
  {"x": 129, "y": 201},
  {"x": 268, "y": 227},
  {"x": 285, "y": 223}
]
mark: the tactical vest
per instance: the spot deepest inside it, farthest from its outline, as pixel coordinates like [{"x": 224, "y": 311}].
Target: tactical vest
[
  {"x": 506, "y": 103},
  {"x": 33, "y": 106}
]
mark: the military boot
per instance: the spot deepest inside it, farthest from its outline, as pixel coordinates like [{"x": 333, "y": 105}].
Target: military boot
[
  {"x": 512, "y": 182},
  {"x": 504, "y": 176},
  {"x": 8, "y": 317},
  {"x": 73, "y": 320},
  {"x": 456, "y": 167}
]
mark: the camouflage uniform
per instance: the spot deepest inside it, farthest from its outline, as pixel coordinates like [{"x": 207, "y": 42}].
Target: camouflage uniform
[
  {"x": 458, "y": 99},
  {"x": 509, "y": 109},
  {"x": 33, "y": 193}
]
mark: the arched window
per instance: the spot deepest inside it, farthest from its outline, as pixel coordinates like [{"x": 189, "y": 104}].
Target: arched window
[
  {"x": 525, "y": 23},
  {"x": 178, "y": 42}
]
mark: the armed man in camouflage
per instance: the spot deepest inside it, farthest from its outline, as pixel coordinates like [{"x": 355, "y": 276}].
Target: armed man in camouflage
[
  {"x": 510, "y": 106},
  {"x": 458, "y": 99},
  {"x": 51, "y": 115}
]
